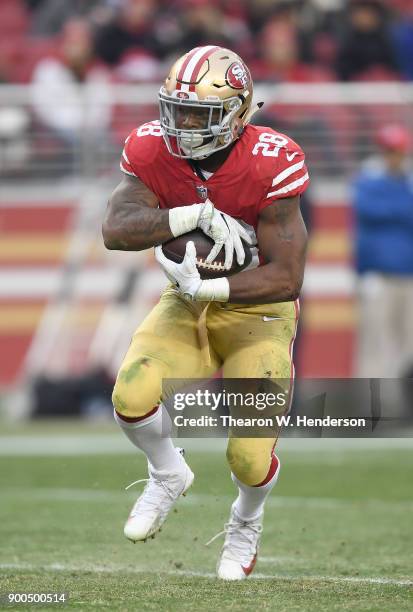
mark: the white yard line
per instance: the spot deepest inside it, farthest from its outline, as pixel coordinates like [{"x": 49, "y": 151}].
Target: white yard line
[
  {"x": 97, "y": 496},
  {"x": 188, "y": 573},
  {"x": 65, "y": 495},
  {"x": 282, "y": 559},
  {"x": 114, "y": 444},
  {"x": 55, "y": 445}
]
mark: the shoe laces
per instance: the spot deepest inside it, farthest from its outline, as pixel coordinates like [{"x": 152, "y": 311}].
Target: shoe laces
[
  {"x": 155, "y": 497},
  {"x": 240, "y": 538}
]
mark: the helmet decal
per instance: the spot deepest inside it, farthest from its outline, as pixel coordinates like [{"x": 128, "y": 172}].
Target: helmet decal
[{"x": 237, "y": 76}]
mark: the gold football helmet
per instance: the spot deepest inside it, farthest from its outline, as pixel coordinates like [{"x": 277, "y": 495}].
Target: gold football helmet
[{"x": 205, "y": 102}]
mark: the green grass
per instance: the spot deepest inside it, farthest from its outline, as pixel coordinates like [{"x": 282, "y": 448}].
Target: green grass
[{"x": 335, "y": 521}]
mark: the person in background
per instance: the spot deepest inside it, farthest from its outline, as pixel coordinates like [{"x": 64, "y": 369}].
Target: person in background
[
  {"x": 58, "y": 101},
  {"x": 366, "y": 49},
  {"x": 402, "y": 33},
  {"x": 279, "y": 57},
  {"x": 383, "y": 211},
  {"x": 129, "y": 26},
  {"x": 205, "y": 23},
  {"x": 50, "y": 16}
]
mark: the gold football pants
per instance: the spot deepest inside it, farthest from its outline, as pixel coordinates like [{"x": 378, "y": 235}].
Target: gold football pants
[{"x": 182, "y": 339}]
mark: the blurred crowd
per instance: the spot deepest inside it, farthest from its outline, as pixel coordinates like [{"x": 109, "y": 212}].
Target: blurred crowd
[
  {"x": 281, "y": 40},
  {"x": 55, "y": 45}
]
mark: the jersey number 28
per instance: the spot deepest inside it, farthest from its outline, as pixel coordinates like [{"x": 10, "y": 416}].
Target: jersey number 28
[
  {"x": 269, "y": 145},
  {"x": 152, "y": 128}
]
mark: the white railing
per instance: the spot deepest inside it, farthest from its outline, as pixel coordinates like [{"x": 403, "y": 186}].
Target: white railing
[
  {"x": 300, "y": 93},
  {"x": 334, "y": 123}
]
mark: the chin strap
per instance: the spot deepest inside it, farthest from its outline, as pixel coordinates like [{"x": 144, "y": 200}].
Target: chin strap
[{"x": 252, "y": 112}]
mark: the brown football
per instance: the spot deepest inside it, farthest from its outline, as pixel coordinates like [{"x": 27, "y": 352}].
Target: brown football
[{"x": 175, "y": 250}]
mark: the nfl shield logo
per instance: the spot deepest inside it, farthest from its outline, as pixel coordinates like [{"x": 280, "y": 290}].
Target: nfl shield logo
[{"x": 202, "y": 191}]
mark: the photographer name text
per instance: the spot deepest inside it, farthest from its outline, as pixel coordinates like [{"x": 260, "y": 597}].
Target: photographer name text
[{"x": 280, "y": 420}]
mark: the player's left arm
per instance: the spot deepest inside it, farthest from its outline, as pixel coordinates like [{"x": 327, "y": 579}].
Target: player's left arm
[{"x": 282, "y": 242}]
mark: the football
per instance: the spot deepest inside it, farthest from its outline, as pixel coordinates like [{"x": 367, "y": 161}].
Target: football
[{"x": 175, "y": 250}]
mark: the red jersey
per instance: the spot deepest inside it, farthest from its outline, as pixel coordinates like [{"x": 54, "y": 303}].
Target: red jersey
[{"x": 262, "y": 167}]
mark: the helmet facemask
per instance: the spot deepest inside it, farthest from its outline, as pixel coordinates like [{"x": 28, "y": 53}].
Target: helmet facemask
[{"x": 210, "y": 123}]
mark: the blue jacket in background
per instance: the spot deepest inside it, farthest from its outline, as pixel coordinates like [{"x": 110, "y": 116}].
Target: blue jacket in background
[
  {"x": 402, "y": 34},
  {"x": 383, "y": 212}
]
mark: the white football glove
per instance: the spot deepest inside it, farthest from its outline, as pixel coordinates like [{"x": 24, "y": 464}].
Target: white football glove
[
  {"x": 186, "y": 276},
  {"x": 236, "y": 233},
  {"x": 222, "y": 228}
]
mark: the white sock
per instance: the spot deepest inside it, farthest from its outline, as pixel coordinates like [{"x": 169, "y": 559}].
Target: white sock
[
  {"x": 152, "y": 436},
  {"x": 249, "y": 504}
]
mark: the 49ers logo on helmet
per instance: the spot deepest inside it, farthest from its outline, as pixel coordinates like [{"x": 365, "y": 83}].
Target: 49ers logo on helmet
[
  {"x": 182, "y": 94},
  {"x": 237, "y": 76}
]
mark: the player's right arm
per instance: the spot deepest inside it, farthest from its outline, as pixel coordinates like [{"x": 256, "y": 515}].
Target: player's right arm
[{"x": 133, "y": 221}]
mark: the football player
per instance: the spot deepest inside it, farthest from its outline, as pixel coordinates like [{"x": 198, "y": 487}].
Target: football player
[{"x": 204, "y": 166}]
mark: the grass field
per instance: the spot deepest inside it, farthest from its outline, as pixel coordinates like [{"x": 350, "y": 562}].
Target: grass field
[{"x": 337, "y": 532}]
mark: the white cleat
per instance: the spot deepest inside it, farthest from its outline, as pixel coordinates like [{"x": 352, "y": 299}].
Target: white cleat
[
  {"x": 240, "y": 550},
  {"x": 152, "y": 506}
]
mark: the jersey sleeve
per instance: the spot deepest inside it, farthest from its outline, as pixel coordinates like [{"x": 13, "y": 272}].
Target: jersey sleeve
[
  {"x": 288, "y": 177},
  {"x": 140, "y": 150},
  {"x": 125, "y": 164}
]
